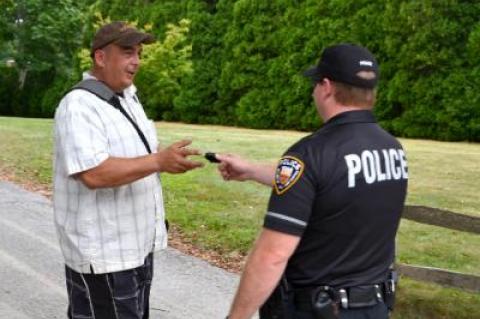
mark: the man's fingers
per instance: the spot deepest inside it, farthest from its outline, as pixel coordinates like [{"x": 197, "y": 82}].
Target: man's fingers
[
  {"x": 222, "y": 166},
  {"x": 223, "y": 157},
  {"x": 185, "y": 166},
  {"x": 181, "y": 143},
  {"x": 188, "y": 165},
  {"x": 226, "y": 176},
  {"x": 181, "y": 148},
  {"x": 189, "y": 151},
  {"x": 195, "y": 164},
  {"x": 220, "y": 157}
]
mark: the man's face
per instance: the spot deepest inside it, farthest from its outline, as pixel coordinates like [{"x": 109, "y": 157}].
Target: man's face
[
  {"x": 318, "y": 97},
  {"x": 119, "y": 65}
]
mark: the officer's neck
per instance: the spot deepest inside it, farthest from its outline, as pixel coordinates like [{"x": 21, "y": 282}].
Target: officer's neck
[{"x": 331, "y": 111}]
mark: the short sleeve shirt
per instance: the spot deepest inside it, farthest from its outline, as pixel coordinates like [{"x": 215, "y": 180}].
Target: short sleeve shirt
[
  {"x": 107, "y": 229},
  {"x": 342, "y": 190}
]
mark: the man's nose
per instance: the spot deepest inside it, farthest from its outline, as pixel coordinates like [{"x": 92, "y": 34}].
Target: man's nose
[{"x": 136, "y": 59}]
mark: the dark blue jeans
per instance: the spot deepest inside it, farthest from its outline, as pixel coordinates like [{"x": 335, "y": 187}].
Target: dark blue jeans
[{"x": 118, "y": 295}]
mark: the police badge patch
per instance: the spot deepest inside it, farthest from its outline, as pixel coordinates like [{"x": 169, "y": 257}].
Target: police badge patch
[{"x": 288, "y": 172}]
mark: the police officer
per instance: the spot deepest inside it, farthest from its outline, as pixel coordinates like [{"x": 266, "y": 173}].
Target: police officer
[{"x": 329, "y": 234}]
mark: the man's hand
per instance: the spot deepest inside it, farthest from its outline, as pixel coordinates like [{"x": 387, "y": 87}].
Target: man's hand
[
  {"x": 263, "y": 270},
  {"x": 173, "y": 159},
  {"x": 116, "y": 171},
  {"x": 233, "y": 167}
]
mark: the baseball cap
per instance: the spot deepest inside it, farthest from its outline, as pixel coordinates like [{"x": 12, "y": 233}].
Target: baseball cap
[
  {"x": 120, "y": 33},
  {"x": 344, "y": 63}
]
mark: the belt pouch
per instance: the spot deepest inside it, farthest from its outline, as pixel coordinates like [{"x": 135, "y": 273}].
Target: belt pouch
[
  {"x": 323, "y": 306},
  {"x": 363, "y": 296}
]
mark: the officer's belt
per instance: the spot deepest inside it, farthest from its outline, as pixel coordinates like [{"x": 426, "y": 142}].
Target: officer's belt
[{"x": 352, "y": 297}]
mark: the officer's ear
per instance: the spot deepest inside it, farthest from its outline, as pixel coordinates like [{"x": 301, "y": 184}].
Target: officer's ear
[{"x": 328, "y": 88}]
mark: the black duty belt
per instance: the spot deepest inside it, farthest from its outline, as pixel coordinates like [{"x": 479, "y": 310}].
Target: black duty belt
[{"x": 346, "y": 298}]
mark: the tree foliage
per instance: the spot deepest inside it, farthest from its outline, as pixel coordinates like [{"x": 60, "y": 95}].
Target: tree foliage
[
  {"x": 41, "y": 37},
  {"x": 164, "y": 63},
  {"x": 240, "y": 62}
]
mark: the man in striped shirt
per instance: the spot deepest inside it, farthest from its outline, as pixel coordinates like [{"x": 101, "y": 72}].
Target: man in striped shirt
[{"x": 108, "y": 202}]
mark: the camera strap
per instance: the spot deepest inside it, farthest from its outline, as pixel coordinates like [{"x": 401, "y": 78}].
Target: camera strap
[{"x": 103, "y": 92}]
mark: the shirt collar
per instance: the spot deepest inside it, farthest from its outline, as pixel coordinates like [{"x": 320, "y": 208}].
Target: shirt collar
[
  {"x": 357, "y": 116},
  {"x": 129, "y": 91}
]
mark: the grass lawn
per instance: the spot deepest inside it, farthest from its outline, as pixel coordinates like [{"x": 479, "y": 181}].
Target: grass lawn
[{"x": 226, "y": 217}]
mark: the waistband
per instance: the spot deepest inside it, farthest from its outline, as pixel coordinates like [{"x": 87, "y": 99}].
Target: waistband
[{"x": 346, "y": 298}]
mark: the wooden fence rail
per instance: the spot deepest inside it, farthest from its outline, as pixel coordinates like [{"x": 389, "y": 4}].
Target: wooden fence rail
[
  {"x": 442, "y": 218},
  {"x": 450, "y": 220}
]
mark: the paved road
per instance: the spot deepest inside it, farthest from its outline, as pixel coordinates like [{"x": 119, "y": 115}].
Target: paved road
[{"x": 32, "y": 275}]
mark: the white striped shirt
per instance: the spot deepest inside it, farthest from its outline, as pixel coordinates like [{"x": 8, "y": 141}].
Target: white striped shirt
[{"x": 108, "y": 229}]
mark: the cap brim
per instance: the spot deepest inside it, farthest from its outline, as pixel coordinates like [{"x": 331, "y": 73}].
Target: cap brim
[
  {"x": 135, "y": 38},
  {"x": 313, "y": 73}
]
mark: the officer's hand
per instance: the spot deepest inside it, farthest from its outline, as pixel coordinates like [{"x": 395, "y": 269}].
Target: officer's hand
[
  {"x": 173, "y": 159},
  {"x": 233, "y": 167}
]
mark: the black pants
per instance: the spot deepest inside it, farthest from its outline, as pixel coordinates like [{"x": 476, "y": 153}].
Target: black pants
[
  {"x": 118, "y": 295},
  {"x": 379, "y": 311},
  {"x": 274, "y": 308}
]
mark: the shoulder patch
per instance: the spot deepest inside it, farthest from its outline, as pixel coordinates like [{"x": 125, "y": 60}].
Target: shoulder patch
[{"x": 288, "y": 172}]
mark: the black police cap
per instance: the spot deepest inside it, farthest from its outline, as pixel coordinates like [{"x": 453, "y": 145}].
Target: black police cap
[{"x": 346, "y": 63}]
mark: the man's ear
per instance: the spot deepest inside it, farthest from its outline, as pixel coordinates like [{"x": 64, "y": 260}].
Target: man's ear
[
  {"x": 328, "y": 88},
  {"x": 99, "y": 58}
]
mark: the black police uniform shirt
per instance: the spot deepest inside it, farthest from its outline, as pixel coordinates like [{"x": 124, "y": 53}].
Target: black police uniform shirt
[{"x": 342, "y": 189}]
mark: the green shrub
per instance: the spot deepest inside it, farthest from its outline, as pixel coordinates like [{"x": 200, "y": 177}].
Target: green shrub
[{"x": 241, "y": 61}]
